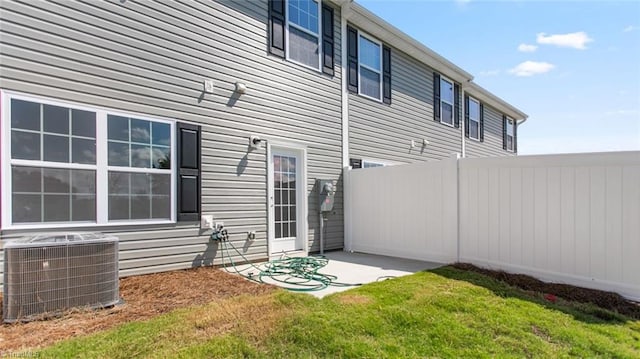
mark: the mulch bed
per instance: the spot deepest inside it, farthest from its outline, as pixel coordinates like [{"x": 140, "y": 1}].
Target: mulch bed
[
  {"x": 605, "y": 300},
  {"x": 144, "y": 296}
]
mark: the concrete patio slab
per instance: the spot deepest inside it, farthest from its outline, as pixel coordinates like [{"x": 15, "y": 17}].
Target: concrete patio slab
[{"x": 360, "y": 268}]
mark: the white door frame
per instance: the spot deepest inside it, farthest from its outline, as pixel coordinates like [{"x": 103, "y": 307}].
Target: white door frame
[{"x": 302, "y": 226}]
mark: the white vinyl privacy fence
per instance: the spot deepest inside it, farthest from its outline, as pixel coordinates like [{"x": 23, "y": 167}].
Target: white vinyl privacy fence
[{"x": 564, "y": 218}]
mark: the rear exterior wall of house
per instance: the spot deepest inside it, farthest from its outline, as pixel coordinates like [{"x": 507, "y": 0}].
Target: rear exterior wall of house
[
  {"x": 382, "y": 133},
  {"x": 151, "y": 58}
]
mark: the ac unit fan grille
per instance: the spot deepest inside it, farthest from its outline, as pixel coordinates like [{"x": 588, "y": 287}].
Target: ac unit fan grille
[{"x": 49, "y": 279}]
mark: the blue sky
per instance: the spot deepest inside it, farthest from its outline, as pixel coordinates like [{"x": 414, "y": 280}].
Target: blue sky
[{"x": 572, "y": 66}]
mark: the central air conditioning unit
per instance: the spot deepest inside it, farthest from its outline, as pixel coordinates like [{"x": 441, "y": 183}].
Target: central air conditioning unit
[{"x": 47, "y": 273}]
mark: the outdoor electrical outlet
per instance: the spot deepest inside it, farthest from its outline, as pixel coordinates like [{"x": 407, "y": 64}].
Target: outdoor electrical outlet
[
  {"x": 206, "y": 222},
  {"x": 251, "y": 235},
  {"x": 208, "y": 86}
]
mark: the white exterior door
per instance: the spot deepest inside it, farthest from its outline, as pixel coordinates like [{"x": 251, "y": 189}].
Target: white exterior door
[{"x": 287, "y": 200}]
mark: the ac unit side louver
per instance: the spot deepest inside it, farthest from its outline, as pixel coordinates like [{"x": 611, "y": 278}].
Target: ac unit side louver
[{"x": 48, "y": 273}]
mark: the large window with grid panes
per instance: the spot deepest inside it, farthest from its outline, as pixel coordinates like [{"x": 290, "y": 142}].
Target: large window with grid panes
[{"x": 66, "y": 164}]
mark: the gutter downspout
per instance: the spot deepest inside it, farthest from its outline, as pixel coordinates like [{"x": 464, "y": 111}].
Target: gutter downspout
[{"x": 345, "y": 9}]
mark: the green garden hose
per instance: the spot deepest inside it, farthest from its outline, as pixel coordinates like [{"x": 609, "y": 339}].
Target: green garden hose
[{"x": 299, "y": 274}]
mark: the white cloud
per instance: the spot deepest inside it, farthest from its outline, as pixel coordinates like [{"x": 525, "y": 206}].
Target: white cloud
[
  {"x": 630, "y": 28},
  {"x": 576, "y": 40},
  {"x": 622, "y": 112},
  {"x": 527, "y": 48},
  {"x": 530, "y": 68},
  {"x": 489, "y": 73}
]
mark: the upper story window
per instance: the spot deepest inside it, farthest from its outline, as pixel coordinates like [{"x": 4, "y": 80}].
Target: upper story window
[
  {"x": 370, "y": 67},
  {"x": 446, "y": 101},
  {"x": 509, "y": 132},
  {"x": 303, "y": 32},
  {"x": 71, "y": 165},
  {"x": 474, "y": 118}
]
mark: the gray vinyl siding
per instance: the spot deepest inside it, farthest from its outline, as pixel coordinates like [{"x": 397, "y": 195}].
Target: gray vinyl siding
[
  {"x": 384, "y": 132},
  {"x": 151, "y": 58},
  {"x": 492, "y": 144}
]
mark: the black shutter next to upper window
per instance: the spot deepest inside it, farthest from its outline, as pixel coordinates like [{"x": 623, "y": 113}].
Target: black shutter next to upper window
[
  {"x": 456, "y": 105},
  {"x": 436, "y": 97},
  {"x": 481, "y": 122},
  {"x": 276, "y": 27},
  {"x": 327, "y": 40},
  {"x": 466, "y": 116},
  {"x": 189, "y": 175},
  {"x": 504, "y": 132},
  {"x": 515, "y": 136},
  {"x": 352, "y": 59},
  {"x": 386, "y": 75}
]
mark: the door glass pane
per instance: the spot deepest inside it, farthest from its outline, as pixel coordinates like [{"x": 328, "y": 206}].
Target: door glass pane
[{"x": 285, "y": 174}]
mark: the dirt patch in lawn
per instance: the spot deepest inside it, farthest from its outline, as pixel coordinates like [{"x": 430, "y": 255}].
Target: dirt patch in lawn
[
  {"x": 606, "y": 300},
  {"x": 144, "y": 296}
]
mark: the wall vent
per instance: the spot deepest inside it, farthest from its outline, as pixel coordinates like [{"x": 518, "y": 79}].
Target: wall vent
[{"x": 45, "y": 274}]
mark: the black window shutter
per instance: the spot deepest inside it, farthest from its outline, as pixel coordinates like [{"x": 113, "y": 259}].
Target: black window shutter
[
  {"x": 504, "y": 132},
  {"x": 327, "y": 40},
  {"x": 355, "y": 163},
  {"x": 481, "y": 123},
  {"x": 276, "y": 27},
  {"x": 466, "y": 116},
  {"x": 515, "y": 136},
  {"x": 189, "y": 175},
  {"x": 386, "y": 75},
  {"x": 456, "y": 105},
  {"x": 436, "y": 97},
  {"x": 352, "y": 59}
]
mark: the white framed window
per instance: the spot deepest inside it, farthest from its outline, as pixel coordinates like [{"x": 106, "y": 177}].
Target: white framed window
[
  {"x": 303, "y": 32},
  {"x": 474, "y": 118},
  {"x": 369, "y": 67},
  {"x": 66, "y": 165},
  {"x": 510, "y": 137},
  {"x": 446, "y": 101}
]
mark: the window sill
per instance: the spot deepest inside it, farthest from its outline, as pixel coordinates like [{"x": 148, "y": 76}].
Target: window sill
[
  {"x": 305, "y": 66},
  {"x": 368, "y": 97},
  {"x": 74, "y": 226},
  {"x": 453, "y": 125}
]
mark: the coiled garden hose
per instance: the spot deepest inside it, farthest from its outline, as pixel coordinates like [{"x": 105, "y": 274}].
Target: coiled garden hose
[{"x": 298, "y": 274}]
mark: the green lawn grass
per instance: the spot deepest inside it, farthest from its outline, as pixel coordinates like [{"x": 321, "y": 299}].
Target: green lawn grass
[{"x": 441, "y": 313}]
